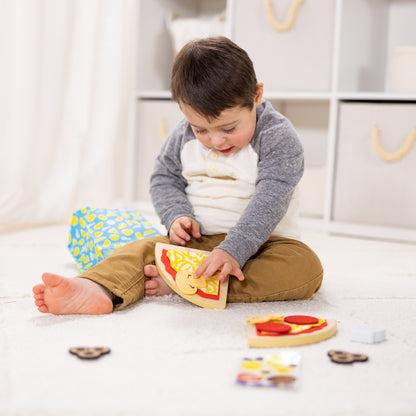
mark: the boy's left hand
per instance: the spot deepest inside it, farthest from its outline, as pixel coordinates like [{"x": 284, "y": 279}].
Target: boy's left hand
[{"x": 219, "y": 260}]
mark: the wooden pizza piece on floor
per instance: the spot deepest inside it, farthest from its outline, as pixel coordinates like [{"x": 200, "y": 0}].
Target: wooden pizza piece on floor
[
  {"x": 177, "y": 265},
  {"x": 269, "y": 331}
]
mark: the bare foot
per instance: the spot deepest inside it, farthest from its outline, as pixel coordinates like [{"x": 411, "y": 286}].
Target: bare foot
[
  {"x": 156, "y": 286},
  {"x": 62, "y": 296}
]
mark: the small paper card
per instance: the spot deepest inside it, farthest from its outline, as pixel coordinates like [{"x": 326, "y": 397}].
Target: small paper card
[{"x": 274, "y": 370}]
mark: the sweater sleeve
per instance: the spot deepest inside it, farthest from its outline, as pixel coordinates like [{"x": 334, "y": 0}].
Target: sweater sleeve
[
  {"x": 280, "y": 168},
  {"x": 167, "y": 184}
]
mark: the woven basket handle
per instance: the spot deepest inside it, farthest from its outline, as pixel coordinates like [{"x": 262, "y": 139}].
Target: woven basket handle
[
  {"x": 397, "y": 155},
  {"x": 282, "y": 27}
]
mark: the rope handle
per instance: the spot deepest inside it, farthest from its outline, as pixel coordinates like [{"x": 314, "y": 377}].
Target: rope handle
[
  {"x": 282, "y": 27},
  {"x": 397, "y": 155},
  {"x": 162, "y": 130}
]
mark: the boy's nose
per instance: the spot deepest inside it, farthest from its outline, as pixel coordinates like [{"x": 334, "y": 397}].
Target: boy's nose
[{"x": 217, "y": 140}]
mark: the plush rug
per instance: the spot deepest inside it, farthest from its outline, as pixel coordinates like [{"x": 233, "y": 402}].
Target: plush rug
[{"x": 170, "y": 357}]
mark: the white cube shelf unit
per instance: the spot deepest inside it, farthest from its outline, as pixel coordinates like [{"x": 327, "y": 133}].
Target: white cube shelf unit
[{"x": 336, "y": 55}]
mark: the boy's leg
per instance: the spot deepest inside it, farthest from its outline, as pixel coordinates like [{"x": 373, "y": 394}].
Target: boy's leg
[
  {"x": 122, "y": 272},
  {"x": 282, "y": 269}
]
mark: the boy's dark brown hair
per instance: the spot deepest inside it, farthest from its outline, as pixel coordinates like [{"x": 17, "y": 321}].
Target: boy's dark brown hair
[{"x": 213, "y": 74}]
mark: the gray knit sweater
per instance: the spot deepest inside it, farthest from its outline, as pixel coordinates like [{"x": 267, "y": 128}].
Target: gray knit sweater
[{"x": 268, "y": 211}]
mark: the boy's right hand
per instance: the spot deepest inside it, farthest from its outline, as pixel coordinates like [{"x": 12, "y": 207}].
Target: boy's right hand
[{"x": 183, "y": 229}]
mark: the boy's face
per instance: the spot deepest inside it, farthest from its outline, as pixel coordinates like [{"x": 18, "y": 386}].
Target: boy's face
[{"x": 232, "y": 130}]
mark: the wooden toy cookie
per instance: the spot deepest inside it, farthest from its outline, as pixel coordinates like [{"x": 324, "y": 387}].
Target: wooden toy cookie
[
  {"x": 285, "y": 331},
  {"x": 177, "y": 265},
  {"x": 343, "y": 357},
  {"x": 89, "y": 353}
]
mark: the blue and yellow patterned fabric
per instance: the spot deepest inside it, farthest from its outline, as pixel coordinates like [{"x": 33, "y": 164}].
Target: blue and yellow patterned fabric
[{"x": 97, "y": 232}]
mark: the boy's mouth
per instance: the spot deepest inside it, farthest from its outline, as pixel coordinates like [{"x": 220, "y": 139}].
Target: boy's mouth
[{"x": 227, "y": 150}]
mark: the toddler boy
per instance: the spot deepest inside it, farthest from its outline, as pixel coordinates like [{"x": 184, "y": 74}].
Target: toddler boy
[{"x": 225, "y": 181}]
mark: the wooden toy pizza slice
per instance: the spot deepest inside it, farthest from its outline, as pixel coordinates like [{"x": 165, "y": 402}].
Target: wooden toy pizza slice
[
  {"x": 286, "y": 331},
  {"x": 177, "y": 265}
]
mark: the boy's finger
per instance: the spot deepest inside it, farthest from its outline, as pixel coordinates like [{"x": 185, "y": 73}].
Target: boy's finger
[
  {"x": 175, "y": 239},
  {"x": 182, "y": 233},
  {"x": 211, "y": 269},
  {"x": 195, "y": 230},
  {"x": 200, "y": 270},
  {"x": 226, "y": 270},
  {"x": 185, "y": 224},
  {"x": 238, "y": 274}
]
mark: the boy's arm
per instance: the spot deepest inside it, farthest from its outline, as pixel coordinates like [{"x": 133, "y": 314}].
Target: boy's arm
[
  {"x": 167, "y": 185},
  {"x": 281, "y": 167}
]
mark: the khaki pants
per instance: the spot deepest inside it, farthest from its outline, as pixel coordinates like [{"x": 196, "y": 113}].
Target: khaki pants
[{"x": 282, "y": 269}]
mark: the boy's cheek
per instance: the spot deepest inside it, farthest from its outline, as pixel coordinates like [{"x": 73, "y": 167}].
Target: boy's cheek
[
  {"x": 241, "y": 140},
  {"x": 205, "y": 142}
]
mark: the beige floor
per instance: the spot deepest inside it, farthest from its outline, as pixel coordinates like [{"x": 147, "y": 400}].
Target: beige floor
[{"x": 170, "y": 357}]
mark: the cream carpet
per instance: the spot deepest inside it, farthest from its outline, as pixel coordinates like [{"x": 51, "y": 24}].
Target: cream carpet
[{"x": 169, "y": 357}]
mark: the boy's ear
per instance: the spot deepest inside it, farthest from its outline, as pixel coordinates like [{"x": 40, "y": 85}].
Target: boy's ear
[{"x": 259, "y": 94}]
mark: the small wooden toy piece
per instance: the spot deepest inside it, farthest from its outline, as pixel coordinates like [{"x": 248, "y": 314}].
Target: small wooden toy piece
[
  {"x": 368, "y": 334},
  {"x": 275, "y": 330},
  {"x": 89, "y": 353},
  {"x": 176, "y": 266},
  {"x": 343, "y": 357}
]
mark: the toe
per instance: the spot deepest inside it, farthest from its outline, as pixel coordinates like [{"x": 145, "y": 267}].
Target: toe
[
  {"x": 51, "y": 279},
  {"x": 150, "y": 292},
  {"x": 38, "y": 289},
  {"x": 43, "y": 309},
  {"x": 150, "y": 270},
  {"x": 150, "y": 284}
]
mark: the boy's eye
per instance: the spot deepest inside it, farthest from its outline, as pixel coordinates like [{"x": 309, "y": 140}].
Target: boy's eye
[
  {"x": 229, "y": 130},
  {"x": 199, "y": 131}
]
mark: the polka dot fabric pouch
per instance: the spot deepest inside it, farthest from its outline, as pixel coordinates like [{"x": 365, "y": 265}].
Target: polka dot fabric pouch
[{"x": 97, "y": 232}]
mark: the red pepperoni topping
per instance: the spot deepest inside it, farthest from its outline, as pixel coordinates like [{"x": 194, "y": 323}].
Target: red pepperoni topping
[
  {"x": 273, "y": 327},
  {"x": 301, "y": 320}
]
